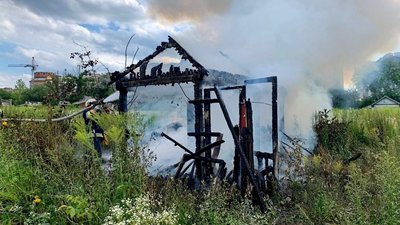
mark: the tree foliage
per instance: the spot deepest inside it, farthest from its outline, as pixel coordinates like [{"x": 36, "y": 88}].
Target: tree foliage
[
  {"x": 344, "y": 99},
  {"x": 380, "y": 79},
  {"x": 68, "y": 88},
  {"x": 387, "y": 82}
]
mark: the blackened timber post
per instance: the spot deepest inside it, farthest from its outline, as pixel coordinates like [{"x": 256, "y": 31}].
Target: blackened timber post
[
  {"x": 236, "y": 159},
  {"x": 250, "y": 140},
  {"x": 123, "y": 109},
  {"x": 207, "y": 129},
  {"x": 123, "y": 100},
  {"x": 198, "y": 125},
  {"x": 275, "y": 124},
  {"x": 244, "y": 176}
]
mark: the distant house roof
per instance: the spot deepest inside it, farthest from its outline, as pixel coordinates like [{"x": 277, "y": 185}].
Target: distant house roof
[
  {"x": 384, "y": 101},
  {"x": 43, "y": 74}
]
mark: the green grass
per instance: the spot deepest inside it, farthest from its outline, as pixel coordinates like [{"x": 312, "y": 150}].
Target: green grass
[
  {"x": 364, "y": 191},
  {"x": 45, "y": 178}
]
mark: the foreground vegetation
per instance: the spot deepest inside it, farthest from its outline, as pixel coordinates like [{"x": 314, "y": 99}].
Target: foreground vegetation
[
  {"x": 334, "y": 186},
  {"x": 51, "y": 175}
]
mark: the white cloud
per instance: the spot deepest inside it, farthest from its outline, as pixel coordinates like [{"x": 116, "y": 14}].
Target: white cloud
[
  {"x": 48, "y": 30},
  {"x": 10, "y": 80}
]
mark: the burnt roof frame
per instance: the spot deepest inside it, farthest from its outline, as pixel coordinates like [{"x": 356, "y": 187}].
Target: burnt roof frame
[{"x": 194, "y": 76}]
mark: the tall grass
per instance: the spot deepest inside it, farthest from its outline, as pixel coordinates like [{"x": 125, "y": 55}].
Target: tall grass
[
  {"x": 334, "y": 190},
  {"x": 52, "y": 175},
  {"x": 55, "y": 163}
]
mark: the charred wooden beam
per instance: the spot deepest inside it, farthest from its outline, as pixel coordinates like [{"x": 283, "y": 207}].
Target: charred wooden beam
[
  {"x": 156, "y": 71},
  {"x": 205, "y": 101},
  {"x": 177, "y": 143},
  {"x": 185, "y": 55},
  {"x": 216, "y": 150},
  {"x": 295, "y": 142},
  {"x": 205, "y": 134},
  {"x": 233, "y": 87},
  {"x": 185, "y": 158},
  {"x": 142, "y": 70},
  {"x": 158, "y": 81},
  {"x": 209, "y": 147},
  {"x": 196, "y": 156},
  {"x": 186, "y": 168}
]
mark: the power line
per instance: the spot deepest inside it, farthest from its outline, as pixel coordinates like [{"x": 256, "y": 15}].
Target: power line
[
  {"x": 126, "y": 48},
  {"x": 183, "y": 92},
  {"x": 263, "y": 103}
]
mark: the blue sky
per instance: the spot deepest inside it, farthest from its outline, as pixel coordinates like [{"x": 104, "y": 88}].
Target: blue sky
[{"x": 295, "y": 39}]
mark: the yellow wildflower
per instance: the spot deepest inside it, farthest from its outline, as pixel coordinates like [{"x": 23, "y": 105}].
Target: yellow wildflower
[
  {"x": 4, "y": 123},
  {"x": 316, "y": 160},
  {"x": 37, "y": 200},
  {"x": 337, "y": 167}
]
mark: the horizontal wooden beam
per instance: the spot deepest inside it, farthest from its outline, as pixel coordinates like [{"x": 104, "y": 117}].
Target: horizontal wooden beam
[{"x": 159, "y": 81}]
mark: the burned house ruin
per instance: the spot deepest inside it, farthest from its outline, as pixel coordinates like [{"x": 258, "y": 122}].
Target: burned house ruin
[{"x": 203, "y": 162}]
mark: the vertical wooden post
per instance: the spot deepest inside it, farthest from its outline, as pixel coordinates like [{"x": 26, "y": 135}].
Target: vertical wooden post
[
  {"x": 198, "y": 125},
  {"x": 236, "y": 159},
  {"x": 274, "y": 81},
  {"x": 243, "y": 184},
  {"x": 207, "y": 129},
  {"x": 249, "y": 138},
  {"x": 123, "y": 100}
]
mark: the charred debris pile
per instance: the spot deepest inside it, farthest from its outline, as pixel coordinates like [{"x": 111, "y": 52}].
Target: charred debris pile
[{"x": 203, "y": 162}]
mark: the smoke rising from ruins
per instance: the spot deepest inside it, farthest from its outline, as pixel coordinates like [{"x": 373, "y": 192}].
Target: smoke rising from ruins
[
  {"x": 173, "y": 11},
  {"x": 307, "y": 44}
]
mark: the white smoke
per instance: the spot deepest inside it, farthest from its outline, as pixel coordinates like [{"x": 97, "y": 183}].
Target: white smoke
[
  {"x": 307, "y": 43},
  {"x": 171, "y": 11}
]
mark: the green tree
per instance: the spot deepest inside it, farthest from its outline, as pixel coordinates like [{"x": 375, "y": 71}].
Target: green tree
[
  {"x": 61, "y": 89},
  {"x": 19, "y": 94},
  {"x": 5, "y": 94},
  {"x": 382, "y": 80},
  {"x": 37, "y": 93},
  {"x": 344, "y": 98},
  {"x": 387, "y": 82}
]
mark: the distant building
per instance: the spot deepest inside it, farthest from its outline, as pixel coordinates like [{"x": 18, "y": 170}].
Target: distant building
[
  {"x": 28, "y": 103},
  {"x": 5, "y": 102},
  {"x": 40, "y": 78},
  {"x": 8, "y": 89},
  {"x": 385, "y": 102},
  {"x": 64, "y": 103}
]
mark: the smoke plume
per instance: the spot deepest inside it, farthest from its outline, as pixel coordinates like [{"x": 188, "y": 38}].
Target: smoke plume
[
  {"x": 307, "y": 43},
  {"x": 183, "y": 10}
]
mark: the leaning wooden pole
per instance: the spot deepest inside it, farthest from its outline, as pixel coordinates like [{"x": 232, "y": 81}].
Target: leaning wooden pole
[{"x": 239, "y": 147}]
